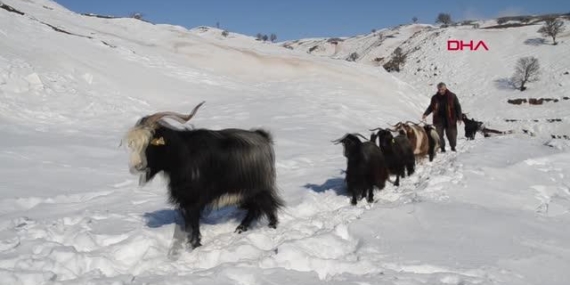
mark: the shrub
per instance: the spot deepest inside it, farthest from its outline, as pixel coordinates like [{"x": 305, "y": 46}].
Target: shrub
[
  {"x": 352, "y": 57},
  {"x": 397, "y": 60}
]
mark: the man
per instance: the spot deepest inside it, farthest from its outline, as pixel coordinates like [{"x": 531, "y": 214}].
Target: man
[{"x": 446, "y": 114}]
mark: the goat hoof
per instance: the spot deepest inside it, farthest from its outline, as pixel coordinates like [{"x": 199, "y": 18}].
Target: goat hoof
[
  {"x": 370, "y": 200},
  {"x": 240, "y": 229},
  {"x": 273, "y": 225},
  {"x": 194, "y": 245},
  {"x": 353, "y": 202}
]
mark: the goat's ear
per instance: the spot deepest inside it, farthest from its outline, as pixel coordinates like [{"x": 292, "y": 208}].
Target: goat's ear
[{"x": 158, "y": 141}]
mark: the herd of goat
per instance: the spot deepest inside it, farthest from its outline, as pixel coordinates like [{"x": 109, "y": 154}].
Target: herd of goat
[
  {"x": 371, "y": 162},
  {"x": 215, "y": 168}
]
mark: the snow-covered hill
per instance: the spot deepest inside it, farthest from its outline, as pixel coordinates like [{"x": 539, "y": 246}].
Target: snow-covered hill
[
  {"x": 495, "y": 212},
  {"x": 479, "y": 77},
  {"x": 371, "y": 49}
]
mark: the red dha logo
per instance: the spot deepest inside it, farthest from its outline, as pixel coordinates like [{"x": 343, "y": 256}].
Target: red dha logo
[{"x": 459, "y": 45}]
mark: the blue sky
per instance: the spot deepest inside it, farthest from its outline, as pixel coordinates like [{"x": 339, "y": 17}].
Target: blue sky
[{"x": 294, "y": 19}]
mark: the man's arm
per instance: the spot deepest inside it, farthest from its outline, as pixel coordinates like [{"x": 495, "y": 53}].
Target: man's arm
[
  {"x": 429, "y": 109},
  {"x": 458, "y": 112}
]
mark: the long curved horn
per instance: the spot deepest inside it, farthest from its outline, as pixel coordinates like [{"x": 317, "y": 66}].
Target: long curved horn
[
  {"x": 393, "y": 127},
  {"x": 340, "y": 139},
  {"x": 362, "y": 136},
  {"x": 377, "y": 129},
  {"x": 412, "y": 123},
  {"x": 181, "y": 118},
  {"x": 398, "y": 125}
]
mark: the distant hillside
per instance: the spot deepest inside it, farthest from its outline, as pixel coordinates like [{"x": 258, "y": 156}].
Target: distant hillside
[{"x": 480, "y": 77}]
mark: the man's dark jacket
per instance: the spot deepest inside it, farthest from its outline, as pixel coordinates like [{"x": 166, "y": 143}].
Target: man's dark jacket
[{"x": 452, "y": 112}]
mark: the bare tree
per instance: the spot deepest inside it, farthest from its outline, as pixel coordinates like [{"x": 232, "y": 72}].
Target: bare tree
[
  {"x": 218, "y": 25},
  {"x": 443, "y": 18},
  {"x": 415, "y": 19},
  {"x": 259, "y": 36},
  {"x": 526, "y": 70},
  {"x": 265, "y": 38},
  {"x": 273, "y": 37},
  {"x": 552, "y": 27}
]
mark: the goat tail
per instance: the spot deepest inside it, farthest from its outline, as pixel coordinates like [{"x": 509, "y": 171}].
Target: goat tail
[
  {"x": 277, "y": 200},
  {"x": 433, "y": 142}
]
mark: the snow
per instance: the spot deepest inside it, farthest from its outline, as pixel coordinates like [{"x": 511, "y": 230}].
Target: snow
[
  {"x": 495, "y": 212},
  {"x": 477, "y": 77}
]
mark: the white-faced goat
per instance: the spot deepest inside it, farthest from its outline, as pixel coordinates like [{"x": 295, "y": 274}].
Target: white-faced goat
[
  {"x": 424, "y": 140},
  {"x": 398, "y": 152},
  {"x": 366, "y": 167},
  {"x": 207, "y": 168}
]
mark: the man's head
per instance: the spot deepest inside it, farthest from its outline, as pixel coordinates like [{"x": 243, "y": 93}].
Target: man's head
[{"x": 441, "y": 88}]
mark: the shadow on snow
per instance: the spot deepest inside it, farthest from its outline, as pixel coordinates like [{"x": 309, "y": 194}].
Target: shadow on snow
[
  {"x": 164, "y": 217},
  {"x": 335, "y": 184}
]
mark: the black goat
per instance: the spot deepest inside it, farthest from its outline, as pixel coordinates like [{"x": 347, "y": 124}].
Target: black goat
[
  {"x": 207, "y": 168},
  {"x": 472, "y": 127},
  {"x": 398, "y": 152},
  {"x": 366, "y": 167}
]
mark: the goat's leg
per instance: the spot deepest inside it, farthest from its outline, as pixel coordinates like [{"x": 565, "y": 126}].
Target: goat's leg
[
  {"x": 253, "y": 213},
  {"x": 354, "y": 198},
  {"x": 270, "y": 207},
  {"x": 411, "y": 166},
  {"x": 432, "y": 151},
  {"x": 370, "y": 198},
  {"x": 273, "y": 221},
  {"x": 192, "y": 224}
]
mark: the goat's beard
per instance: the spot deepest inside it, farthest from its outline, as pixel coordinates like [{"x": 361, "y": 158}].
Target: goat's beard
[
  {"x": 146, "y": 176},
  {"x": 142, "y": 179}
]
